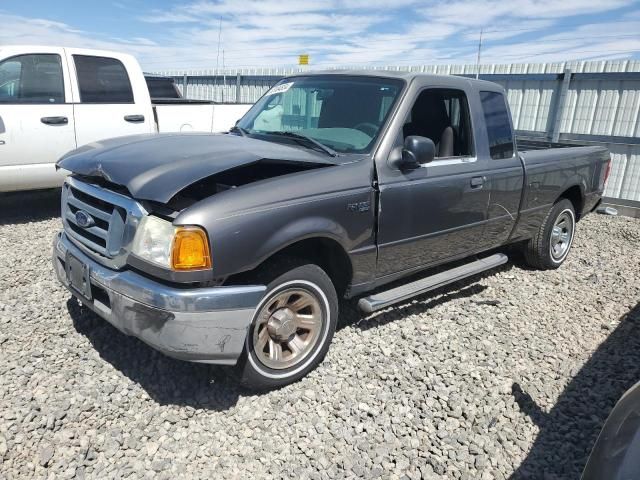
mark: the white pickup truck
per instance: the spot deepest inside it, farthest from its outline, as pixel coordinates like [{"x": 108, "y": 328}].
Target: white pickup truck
[{"x": 55, "y": 99}]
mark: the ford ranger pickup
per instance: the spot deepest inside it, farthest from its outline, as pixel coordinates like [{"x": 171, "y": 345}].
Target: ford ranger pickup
[{"x": 237, "y": 248}]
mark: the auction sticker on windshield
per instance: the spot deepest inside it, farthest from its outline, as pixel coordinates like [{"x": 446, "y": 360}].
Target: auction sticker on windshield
[{"x": 280, "y": 88}]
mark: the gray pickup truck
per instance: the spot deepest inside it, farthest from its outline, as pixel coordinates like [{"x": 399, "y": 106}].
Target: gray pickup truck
[{"x": 236, "y": 248}]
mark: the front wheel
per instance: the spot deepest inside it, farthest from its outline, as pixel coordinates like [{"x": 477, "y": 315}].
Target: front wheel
[
  {"x": 292, "y": 328},
  {"x": 550, "y": 245}
]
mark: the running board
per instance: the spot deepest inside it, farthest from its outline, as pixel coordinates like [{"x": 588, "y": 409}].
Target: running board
[{"x": 404, "y": 292}]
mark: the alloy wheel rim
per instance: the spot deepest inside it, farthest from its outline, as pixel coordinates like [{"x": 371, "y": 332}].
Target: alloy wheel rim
[
  {"x": 287, "y": 328},
  {"x": 561, "y": 235}
]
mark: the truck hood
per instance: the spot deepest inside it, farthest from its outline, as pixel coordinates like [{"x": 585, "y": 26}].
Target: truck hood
[{"x": 158, "y": 166}]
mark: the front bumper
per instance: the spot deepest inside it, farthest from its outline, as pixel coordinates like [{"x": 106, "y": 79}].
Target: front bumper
[{"x": 207, "y": 324}]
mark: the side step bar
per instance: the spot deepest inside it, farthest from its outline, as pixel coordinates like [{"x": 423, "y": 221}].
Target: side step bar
[{"x": 403, "y": 292}]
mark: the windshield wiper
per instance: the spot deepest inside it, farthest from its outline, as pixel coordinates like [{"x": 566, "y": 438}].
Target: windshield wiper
[
  {"x": 298, "y": 136},
  {"x": 240, "y": 130}
]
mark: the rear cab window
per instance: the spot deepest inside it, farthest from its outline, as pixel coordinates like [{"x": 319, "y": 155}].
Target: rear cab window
[
  {"x": 102, "y": 80},
  {"x": 499, "y": 131},
  {"x": 32, "y": 78},
  {"x": 162, "y": 87}
]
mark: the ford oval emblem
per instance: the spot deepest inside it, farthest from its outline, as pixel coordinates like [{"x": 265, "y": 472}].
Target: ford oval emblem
[{"x": 84, "y": 220}]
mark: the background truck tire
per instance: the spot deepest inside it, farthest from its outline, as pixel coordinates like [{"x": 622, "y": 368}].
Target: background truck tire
[
  {"x": 292, "y": 326},
  {"x": 550, "y": 246}
]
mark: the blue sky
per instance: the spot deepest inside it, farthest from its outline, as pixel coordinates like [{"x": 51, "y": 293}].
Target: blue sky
[{"x": 258, "y": 33}]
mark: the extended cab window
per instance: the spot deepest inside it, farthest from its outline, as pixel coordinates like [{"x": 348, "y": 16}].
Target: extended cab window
[
  {"x": 102, "y": 80},
  {"x": 31, "y": 79},
  {"x": 496, "y": 116}
]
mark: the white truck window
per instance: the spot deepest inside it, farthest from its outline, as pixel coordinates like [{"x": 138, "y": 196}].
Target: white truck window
[
  {"x": 102, "y": 80},
  {"x": 35, "y": 78}
]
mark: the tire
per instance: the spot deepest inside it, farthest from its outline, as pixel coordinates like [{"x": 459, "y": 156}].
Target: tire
[
  {"x": 549, "y": 247},
  {"x": 292, "y": 327}
]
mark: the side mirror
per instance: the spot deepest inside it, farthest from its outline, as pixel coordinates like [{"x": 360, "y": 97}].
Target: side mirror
[
  {"x": 418, "y": 150},
  {"x": 415, "y": 152}
]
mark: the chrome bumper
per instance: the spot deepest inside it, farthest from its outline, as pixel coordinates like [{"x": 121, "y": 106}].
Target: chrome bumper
[{"x": 206, "y": 324}]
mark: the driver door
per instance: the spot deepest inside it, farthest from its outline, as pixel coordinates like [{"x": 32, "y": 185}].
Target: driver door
[{"x": 438, "y": 211}]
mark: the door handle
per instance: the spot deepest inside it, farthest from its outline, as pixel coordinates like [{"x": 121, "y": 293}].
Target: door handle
[
  {"x": 1, "y": 142},
  {"x": 477, "y": 182},
  {"x": 134, "y": 118},
  {"x": 54, "y": 120}
]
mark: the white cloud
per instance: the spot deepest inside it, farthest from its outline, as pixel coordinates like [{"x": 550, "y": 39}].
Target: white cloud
[
  {"x": 193, "y": 12},
  {"x": 589, "y": 41},
  {"x": 169, "y": 17},
  {"x": 494, "y": 13},
  {"x": 350, "y": 32},
  {"x": 16, "y": 29}
]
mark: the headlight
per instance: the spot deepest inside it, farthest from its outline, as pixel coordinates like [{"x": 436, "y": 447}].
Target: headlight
[{"x": 178, "y": 248}]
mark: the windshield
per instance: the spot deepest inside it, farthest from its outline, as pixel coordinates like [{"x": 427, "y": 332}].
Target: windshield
[{"x": 343, "y": 113}]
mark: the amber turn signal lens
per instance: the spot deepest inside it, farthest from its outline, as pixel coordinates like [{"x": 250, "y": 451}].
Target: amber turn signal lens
[{"x": 190, "y": 249}]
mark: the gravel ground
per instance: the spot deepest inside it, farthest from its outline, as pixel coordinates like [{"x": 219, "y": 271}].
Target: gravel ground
[{"x": 510, "y": 374}]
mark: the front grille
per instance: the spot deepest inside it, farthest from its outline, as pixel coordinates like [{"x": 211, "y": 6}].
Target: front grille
[{"x": 113, "y": 218}]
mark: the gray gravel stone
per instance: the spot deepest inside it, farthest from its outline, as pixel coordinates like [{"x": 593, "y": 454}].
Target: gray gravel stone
[
  {"x": 3, "y": 446},
  {"x": 45, "y": 455},
  {"x": 491, "y": 378}
]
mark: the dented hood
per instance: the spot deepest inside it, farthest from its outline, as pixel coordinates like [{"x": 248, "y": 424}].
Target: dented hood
[{"x": 157, "y": 166}]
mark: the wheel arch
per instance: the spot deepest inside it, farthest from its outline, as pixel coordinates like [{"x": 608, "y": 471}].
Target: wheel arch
[
  {"x": 324, "y": 251},
  {"x": 575, "y": 194}
]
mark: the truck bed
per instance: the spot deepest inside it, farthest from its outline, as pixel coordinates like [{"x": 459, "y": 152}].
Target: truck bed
[
  {"x": 180, "y": 101},
  {"x": 551, "y": 169},
  {"x": 528, "y": 143}
]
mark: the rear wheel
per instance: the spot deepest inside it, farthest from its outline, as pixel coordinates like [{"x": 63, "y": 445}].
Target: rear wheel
[
  {"x": 292, "y": 327},
  {"x": 550, "y": 245}
]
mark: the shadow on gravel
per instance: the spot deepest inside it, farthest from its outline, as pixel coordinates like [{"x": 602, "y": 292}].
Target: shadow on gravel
[
  {"x": 167, "y": 381},
  {"x": 25, "y": 207},
  {"x": 570, "y": 429}
]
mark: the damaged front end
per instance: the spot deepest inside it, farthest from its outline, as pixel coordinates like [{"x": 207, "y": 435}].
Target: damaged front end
[
  {"x": 237, "y": 177},
  {"x": 187, "y": 166}
]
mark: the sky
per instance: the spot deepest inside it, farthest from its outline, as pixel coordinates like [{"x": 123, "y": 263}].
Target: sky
[{"x": 178, "y": 35}]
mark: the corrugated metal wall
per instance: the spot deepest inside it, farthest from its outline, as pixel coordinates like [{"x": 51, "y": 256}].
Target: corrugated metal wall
[{"x": 599, "y": 102}]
